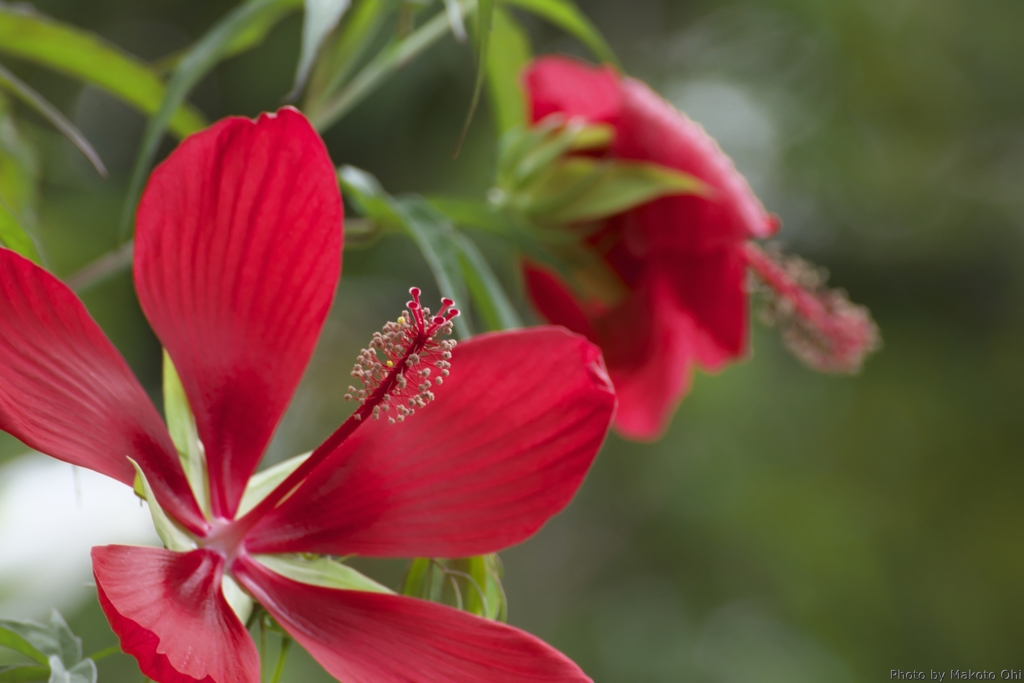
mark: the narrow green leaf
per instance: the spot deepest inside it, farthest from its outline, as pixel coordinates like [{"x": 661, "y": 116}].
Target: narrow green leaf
[
  {"x": 29, "y": 35},
  {"x": 23, "y": 638},
  {"x": 567, "y": 16},
  {"x": 488, "y": 295},
  {"x": 182, "y": 425},
  {"x": 49, "y": 112},
  {"x": 28, "y": 673},
  {"x": 262, "y": 483},
  {"x": 385, "y": 63},
  {"x": 361, "y": 27},
  {"x": 432, "y": 232},
  {"x": 174, "y": 537},
  {"x": 435, "y": 237},
  {"x": 320, "y": 571},
  {"x": 194, "y": 65},
  {"x": 582, "y": 189},
  {"x": 40, "y": 642},
  {"x": 455, "y": 20},
  {"x": 321, "y": 18},
  {"x": 484, "y": 27},
  {"x": 369, "y": 198},
  {"x": 510, "y": 53},
  {"x": 14, "y": 236}
]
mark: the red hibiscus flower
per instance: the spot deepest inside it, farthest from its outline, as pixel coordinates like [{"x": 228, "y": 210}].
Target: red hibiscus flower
[
  {"x": 682, "y": 261},
  {"x": 237, "y": 257}
]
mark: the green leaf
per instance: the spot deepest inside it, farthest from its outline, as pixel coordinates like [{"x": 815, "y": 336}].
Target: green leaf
[
  {"x": 510, "y": 53},
  {"x": 567, "y": 16},
  {"x": 14, "y": 236},
  {"x": 321, "y": 18},
  {"x": 583, "y": 189},
  {"x": 361, "y": 27},
  {"x": 386, "y": 62},
  {"x": 320, "y": 571},
  {"x": 195, "y": 63},
  {"x": 488, "y": 295},
  {"x": 29, "y": 35},
  {"x": 26, "y": 94},
  {"x": 432, "y": 232},
  {"x": 19, "y": 165},
  {"x": 26, "y": 673},
  {"x": 262, "y": 483},
  {"x": 42, "y": 642},
  {"x": 484, "y": 26},
  {"x": 182, "y": 425},
  {"x": 435, "y": 237},
  {"x": 174, "y": 537}
]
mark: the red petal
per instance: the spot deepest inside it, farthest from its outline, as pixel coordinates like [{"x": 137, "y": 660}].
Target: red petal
[
  {"x": 503, "y": 448},
  {"x": 711, "y": 289},
  {"x": 376, "y": 638},
  {"x": 237, "y": 258},
  {"x": 169, "y": 612},
  {"x": 651, "y": 129},
  {"x": 67, "y": 392},
  {"x": 556, "y": 302},
  {"x": 566, "y": 86}
]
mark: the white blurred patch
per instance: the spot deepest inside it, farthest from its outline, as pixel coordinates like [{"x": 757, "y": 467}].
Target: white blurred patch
[
  {"x": 743, "y": 127},
  {"x": 49, "y": 520}
]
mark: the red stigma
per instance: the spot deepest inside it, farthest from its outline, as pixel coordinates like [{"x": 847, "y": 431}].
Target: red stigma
[
  {"x": 404, "y": 362},
  {"x": 821, "y": 326}
]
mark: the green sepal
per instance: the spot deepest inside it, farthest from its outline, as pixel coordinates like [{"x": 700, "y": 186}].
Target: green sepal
[
  {"x": 171, "y": 533},
  {"x": 182, "y": 425},
  {"x": 238, "y": 599},
  {"x": 579, "y": 189},
  {"x": 262, "y": 483},
  {"x": 320, "y": 570},
  {"x": 472, "y": 584}
]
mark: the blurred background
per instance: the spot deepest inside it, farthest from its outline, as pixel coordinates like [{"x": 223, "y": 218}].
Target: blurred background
[{"x": 790, "y": 526}]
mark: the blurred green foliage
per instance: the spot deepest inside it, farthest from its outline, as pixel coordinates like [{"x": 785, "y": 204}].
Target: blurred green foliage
[{"x": 790, "y": 527}]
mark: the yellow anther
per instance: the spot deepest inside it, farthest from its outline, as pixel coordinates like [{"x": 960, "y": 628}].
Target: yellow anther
[
  {"x": 390, "y": 364},
  {"x": 401, "y": 320}
]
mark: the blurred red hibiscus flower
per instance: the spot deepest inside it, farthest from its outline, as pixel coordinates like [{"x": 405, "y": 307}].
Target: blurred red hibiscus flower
[
  {"x": 237, "y": 257},
  {"x": 681, "y": 261}
]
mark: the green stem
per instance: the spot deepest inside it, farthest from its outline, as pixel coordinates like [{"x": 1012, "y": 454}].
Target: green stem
[
  {"x": 286, "y": 644},
  {"x": 102, "y": 269},
  {"x": 114, "y": 649},
  {"x": 387, "y": 61}
]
